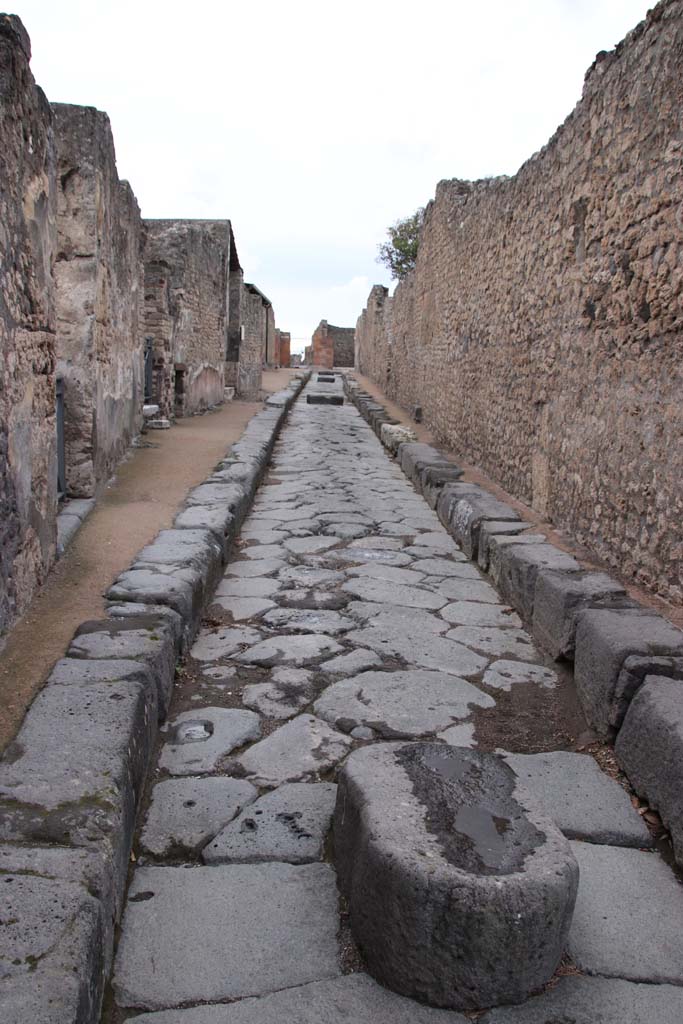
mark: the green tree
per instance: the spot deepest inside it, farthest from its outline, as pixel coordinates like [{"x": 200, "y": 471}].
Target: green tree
[{"x": 400, "y": 252}]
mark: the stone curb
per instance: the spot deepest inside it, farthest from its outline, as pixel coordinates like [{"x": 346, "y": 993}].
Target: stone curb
[
  {"x": 71, "y": 782},
  {"x": 582, "y": 616}
]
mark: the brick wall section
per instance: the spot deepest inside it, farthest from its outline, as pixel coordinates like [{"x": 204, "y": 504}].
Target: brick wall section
[
  {"x": 285, "y": 348},
  {"x": 253, "y": 345},
  {"x": 332, "y": 346},
  {"x": 28, "y": 477},
  {"x": 541, "y": 329},
  {"x": 186, "y": 311},
  {"x": 98, "y": 273},
  {"x": 322, "y": 346}
]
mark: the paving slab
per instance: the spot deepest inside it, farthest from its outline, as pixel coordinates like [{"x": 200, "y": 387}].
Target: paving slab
[
  {"x": 208, "y": 934},
  {"x": 308, "y": 620},
  {"x": 577, "y": 1000},
  {"x": 494, "y": 641},
  {"x": 331, "y": 600},
  {"x": 199, "y": 740},
  {"x": 582, "y": 801},
  {"x": 309, "y": 545},
  {"x": 350, "y": 664},
  {"x": 468, "y": 590},
  {"x": 301, "y": 750},
  {"x": 392, "y": 573},
  {"x": 400, "y": 704},
  {"x": 286, "y": 692},
  {"x": 288, "y": 824},
  {"x": 310, "y": 576},
  {"x": 250, "y": 568},
  {"x": 290, "y": 649},
  {"x": 423, "y": 649},
  {"x": 185, "y": 813},
  {"x": 213, "y": 644},
  {"x": 244, "y": 608},
  {"x": 476, "y": 613},
  {"x": 385, "y": 591},
  {"x": 366, "y": 554},
  {"x": 438, "y": 566},
  {"x": 461, "y": 735},
  {"x": 627, "y": 920},
  {"x": 261, "y": 586},
  {"x": 504, "y": 674}
]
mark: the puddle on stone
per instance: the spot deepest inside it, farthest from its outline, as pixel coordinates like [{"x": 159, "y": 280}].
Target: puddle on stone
[
  {"x": 469, "y": 807},
  {"x": 193, "y": 732}
]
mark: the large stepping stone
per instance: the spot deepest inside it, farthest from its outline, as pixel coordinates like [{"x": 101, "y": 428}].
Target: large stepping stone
[
  {"x": 627, "y": 922},
  {"x": 185, "y": 813},
  {"x": 213, "y": 934},
  {"x": 297, "y": 751},
  {"x": 576, "y": 1000},
  {"x": 200, "y": 739},
  {"x": 288, "y": 824},
  {"x": 290, "y": 649},
  {"x": 355, "y": 999},
  {"x": 460, "y": 893},
  {"x": 582, "y": 801},
  {"x": 400, "y": 705}
]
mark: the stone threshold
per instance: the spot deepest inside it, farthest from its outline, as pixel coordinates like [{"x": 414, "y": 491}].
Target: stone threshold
[{"x": 71, "y": 781}]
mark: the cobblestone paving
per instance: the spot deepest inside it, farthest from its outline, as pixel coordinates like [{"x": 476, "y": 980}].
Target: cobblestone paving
[{"x": 348, "y": 617}]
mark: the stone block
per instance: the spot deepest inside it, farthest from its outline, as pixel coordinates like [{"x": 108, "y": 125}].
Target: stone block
[
  {"x": 131, "y": 610},
  {"x": 73, "y": 774},
  {"x": 434, "y": 478},
  {"x": 184, "y": 814},
  {"x": 583, "y": 802},
  {"x": 222, "y": 523},
  {"x": 446, "y": 904},
  {"x": 615, "y": 650},
  {"x": 201, "y": 740},
  {"x": 324, "y": 399},
  {"x": 179, "y": 588},
  {"x": 489, "y": 530},
  {"x": 515, "y": 566},
  {"x": 649, "y": 748},
  {"x": 146, "y": 639},
  {"x": 225, "y": 932},
  {"x": 392, "y": 435},
  {"x": 300, "y": 751},
  {"x": 560, "y": 596},
  {"x": 469, "y": 511},
  {"x": 573, "y": 1000}
]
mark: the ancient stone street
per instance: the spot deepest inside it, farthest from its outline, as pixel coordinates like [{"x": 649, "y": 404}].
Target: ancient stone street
[{"x": 347, "y": 620}]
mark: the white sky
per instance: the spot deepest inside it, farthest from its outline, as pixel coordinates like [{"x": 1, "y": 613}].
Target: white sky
[{"x": 313, "y": 126}]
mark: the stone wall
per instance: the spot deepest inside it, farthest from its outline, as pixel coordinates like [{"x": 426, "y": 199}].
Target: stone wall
[
  {"x": 332, "y": 346},
  {"x": 28, "y": 479},
  {"x": 98, "y": 273},
  {"x": 284, "y": 347},
  {"x": 186, "y": 267},
  {"x": 541, "y": 329},
  {"x": 255, "y": 320}
]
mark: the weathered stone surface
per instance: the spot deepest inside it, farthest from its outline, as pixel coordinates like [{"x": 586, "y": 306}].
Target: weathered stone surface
[
  {"x": 583, "y": 802},
  {"x": 290, "y": 649},
  {"x": 605, "y": 639},
  {"x": 468, "y": 590},
  {"x": 288, "y": 824},
  {"x": 199, "y": 741},
  {"x": 476, "y": 613},
  {"x": 261, "y": 586},
  {"x": 390, "y": 635},
  {"x": 244, "y": 608},
  {"x": 385, "y": 591},
  {"x": 225, "y": 932},
  {"x": 348, "y": 664},
  {"x": 308, "y": 620},
  {"x": 252, "y": 568},
  {"x": 504, "y": 674},
  {"x": 487, "y": 531},
  {"x": 469, "y": 511},
  {"x": 179, "y": 588},
  {"x": 392, "y": 435},
  {"x": 185, "y": 813},
  {"x": 287, "y": 692},
  {"x": 221, "y": 521},
  {"x": 368, "y": 554},
  {"x": 131, "y": 610},
  {"x": 626, "y": 893},
  {"x": 516, "y": 568},
  {"x": 493, "y": 641},
  {"x": 399, "y": 705},
  {"x": 437, "y": 566},
  {"x": 51, "y": 939},
  {"x": 461, "y": 735},
  {"x": 145, "y": 639},
  {"x": 312, "y": 599},
  {"x": 559, "y": 598},
  {"x": 309, "y": 576},
  {"x": 355, "y": 997},
  {"x": 584, "y": 1001},
  {"x": 300, "y": 750},
  {"x": 438, "y": 543},
  {"x": 444, "y": 905},
  {"x": 213, "y": 644},
  {"x": 649, "y": 748}
]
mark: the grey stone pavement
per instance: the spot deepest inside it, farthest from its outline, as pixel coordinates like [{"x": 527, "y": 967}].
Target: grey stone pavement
[{"x": 348, "y": 616}]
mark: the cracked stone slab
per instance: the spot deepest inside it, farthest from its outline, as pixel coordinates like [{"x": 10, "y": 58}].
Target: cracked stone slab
[
  {"x": 349, "y": 664},
  {"x": 391, "y": 573},
  {"x": 290, "y": 649},
  {"x": 383, "y": 591},
  {"x": 261, "y": 586},
  {"x": 474, "y": 613},
  {"x": 397, "y": 558},
  {"x": 309, "y": 576},
  {"x": 422, "y": 649},
  {"x": 345, "y": 531},
  {"x": 577, "y": 1000},
  {"x": 309, "y": 620},
  {"x": 494, "y": 641},
  {"x": 309, "y": 545},
  {"x": 287, "y": 692},
  {"x": 312, "y": 599},
  {"x": 583, "y": 802},
  {"x": 468, "y": 590},
  {"x": 400, "y": 705},
  {"x": 377, "y": 544},
  {"x": 244, "y": 608},
  {"x": 441, "y": 567},
  {"x": 504, "y": 674},
  {"x": 288, "y": 824},
  {"x": 221, "y": 643},
  {"x": 199, "y": 740},
  {"x": 254, "y": 568},
  {"x": 627, "y": 917},
  {"x": 264, "y": 537},
  {"x": 210, "y": 934},
  {"x": 297, "y": 751},
  {"x": 185, "y": 813}
]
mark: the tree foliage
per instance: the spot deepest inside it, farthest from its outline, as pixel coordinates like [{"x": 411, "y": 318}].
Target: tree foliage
[{"x": 400, "y": 252}]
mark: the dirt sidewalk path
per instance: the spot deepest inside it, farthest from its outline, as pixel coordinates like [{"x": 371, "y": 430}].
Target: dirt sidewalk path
[{"x": 142, "y": 499}]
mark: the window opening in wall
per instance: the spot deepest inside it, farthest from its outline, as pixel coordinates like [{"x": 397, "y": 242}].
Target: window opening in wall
[
  {"x": 149, "y": 370},
  {"x": 61, "y": 448},
  {"x": 179, "y": 389}
]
